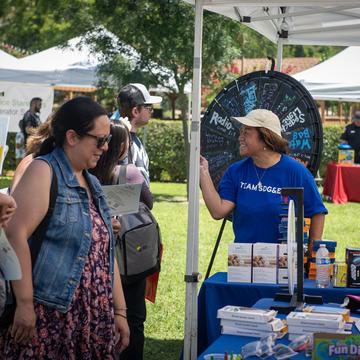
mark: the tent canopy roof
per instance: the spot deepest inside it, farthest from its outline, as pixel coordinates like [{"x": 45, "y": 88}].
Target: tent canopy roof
[
  {"x": 306, "y": 22},
  {"x": 335, "y": 78},
  {"x": 72, "y": 67},
  {"x": 7, "y": 59}
]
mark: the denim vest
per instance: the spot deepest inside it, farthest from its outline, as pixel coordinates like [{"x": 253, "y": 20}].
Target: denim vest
[{"x": 66, "y": 244}]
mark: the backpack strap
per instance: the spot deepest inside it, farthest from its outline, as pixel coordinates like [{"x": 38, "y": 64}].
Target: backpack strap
[
  {"x": 39, "y": 233},
  {"x": 122, "y": 174}
]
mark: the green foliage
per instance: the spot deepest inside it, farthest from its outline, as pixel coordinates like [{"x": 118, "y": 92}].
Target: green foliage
[
  {"x": 331, "y": 140},
  {"x": 165, "y": 147},
  {"x": 5, "y": 181},
  {"x": 38, "y": 25},
  {"x": 10, "y": 162}
]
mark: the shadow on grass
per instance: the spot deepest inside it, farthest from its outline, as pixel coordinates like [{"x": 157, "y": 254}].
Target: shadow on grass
[
  {"x": 167, "y": 349},
  {"x": 169, "y": 198}
]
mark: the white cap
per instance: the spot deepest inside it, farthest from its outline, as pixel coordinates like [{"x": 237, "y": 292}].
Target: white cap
[
  {"x": 261, "y": 118},
  {"x": 149, "y": 99}
]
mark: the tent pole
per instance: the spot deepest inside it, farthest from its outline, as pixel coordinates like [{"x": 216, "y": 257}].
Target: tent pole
[
  {"x": 191, "y": 276},
  {"x": 279, "y": 55}
]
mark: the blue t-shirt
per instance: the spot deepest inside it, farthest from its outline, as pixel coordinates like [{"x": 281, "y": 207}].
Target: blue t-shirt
[{"x": 256, "y": 216}]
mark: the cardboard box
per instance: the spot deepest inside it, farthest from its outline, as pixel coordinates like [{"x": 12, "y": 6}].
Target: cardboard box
[
  {"x": 325, "y": 309},
  {"x": 248, "y": 332},
  {"x": 246, "y": 314},
  {"x": 273, "y": 325},
  {"x": 264, "y": 263},
  {"x": 309, "y": 319},
  {"x": 294, "y": 329},
  {"x": 282, "y": 265},
  {"x": 239, "y": 263},
  {"x": 352, "y": 256}
]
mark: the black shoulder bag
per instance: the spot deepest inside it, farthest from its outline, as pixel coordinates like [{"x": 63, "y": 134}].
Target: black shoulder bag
[
  {"x": 7, "y": 316},
  {"x": 138, "y": 243}
]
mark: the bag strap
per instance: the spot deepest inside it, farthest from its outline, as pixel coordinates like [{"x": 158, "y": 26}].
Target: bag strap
[
  {"x": 39, "y": 233},
  {"x": 122, "y": 174}
]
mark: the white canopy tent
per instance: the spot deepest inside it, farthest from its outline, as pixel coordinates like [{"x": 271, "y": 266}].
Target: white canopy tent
[
  {"x": 312, "y": 22},
  {"x": 15, "y": 97},
  {"x": 6, "y": 58},
  {"x": 336, "y": 78},
  {"x": 67, "y": 67},
  {"x": 73, "y": 66}
]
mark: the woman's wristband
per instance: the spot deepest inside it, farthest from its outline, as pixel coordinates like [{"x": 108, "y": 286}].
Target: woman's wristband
[
  {"x": 122, "y": 315},
  {"x": 120, "y": 308}
]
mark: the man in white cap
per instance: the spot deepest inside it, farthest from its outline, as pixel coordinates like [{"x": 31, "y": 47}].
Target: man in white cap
[{"x": 135, "y": 103}]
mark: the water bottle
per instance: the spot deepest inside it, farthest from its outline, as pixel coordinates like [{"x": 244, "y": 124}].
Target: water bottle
[{"x": 322, "y": 267}]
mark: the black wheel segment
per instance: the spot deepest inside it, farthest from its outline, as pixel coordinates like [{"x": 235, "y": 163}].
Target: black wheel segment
[{"x": 286, "y": 97}]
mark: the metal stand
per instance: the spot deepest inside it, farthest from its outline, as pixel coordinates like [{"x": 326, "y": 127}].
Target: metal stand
[
  {"x": 215, "y": 249},
  {"x": 298, "y": 297}
]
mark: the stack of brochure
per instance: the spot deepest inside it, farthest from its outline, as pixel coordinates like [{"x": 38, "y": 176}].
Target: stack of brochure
[
  {"x": 300, "y": 323},
  {"x": 243, "y": 321}
]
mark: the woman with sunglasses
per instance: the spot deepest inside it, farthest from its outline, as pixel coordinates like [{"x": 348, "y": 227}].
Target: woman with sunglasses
[{"x": 71, "y": 305}]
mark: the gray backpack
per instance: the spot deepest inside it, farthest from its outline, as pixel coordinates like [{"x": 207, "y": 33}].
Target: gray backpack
[{"x": 138, "y": 243}]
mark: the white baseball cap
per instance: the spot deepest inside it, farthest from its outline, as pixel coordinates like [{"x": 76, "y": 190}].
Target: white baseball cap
[
  {"x": 261, "y": 118},
  {"x": 133, "y": 95}
]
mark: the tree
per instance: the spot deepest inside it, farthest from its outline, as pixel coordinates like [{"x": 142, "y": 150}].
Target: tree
[
  {"x": 38, "y": 25},
  {"x": 163, "y": 34}
]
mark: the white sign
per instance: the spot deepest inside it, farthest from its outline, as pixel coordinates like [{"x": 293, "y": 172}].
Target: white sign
[
  {"x": 4, "y": 125},
  {"x": 123, "y": 198},
  {"x": 15, "y": 101}
]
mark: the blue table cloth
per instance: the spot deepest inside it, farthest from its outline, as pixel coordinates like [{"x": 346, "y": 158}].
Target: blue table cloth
[
  {"x": 234, "y": 343},
  {"x": 216, "y": 293}
]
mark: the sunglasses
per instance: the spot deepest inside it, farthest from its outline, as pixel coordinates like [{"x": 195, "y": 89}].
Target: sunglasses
[{"x": 100, "y": 140}]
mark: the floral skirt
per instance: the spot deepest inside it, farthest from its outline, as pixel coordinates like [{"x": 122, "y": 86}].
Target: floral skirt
[{"x": 87, "y": 330}]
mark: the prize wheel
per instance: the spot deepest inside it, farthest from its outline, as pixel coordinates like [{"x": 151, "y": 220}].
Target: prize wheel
[{"x": 286, "y": 97}]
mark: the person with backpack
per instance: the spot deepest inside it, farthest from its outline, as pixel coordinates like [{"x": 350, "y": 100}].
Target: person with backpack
[
  {"x": 107, "y": 171},
  {"x": 71, "y": 304},
  {"x": 135, "y": 103},
  {"x": 31, "y": 118}
]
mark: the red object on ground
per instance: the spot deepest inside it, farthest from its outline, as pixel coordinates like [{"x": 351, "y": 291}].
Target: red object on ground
[
  {"x": 152, "y": 283},
  {"x": 342, "y": 182}
]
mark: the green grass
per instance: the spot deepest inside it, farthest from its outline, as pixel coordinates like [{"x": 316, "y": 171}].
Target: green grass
[
  {"x": 5, "y": 181},
  {"x": 164, "y": 328}
]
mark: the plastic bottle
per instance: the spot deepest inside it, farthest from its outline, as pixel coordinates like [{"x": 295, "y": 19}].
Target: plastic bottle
[{"x": 322, "y": 267}]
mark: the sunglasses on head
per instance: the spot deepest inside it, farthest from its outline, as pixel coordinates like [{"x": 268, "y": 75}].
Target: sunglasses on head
[{"x": 100, "y": 140}]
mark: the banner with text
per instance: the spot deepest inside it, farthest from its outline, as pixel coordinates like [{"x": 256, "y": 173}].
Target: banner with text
[
  {"x": 4, "y": 124},
  {"x": 15, "y": 101}
]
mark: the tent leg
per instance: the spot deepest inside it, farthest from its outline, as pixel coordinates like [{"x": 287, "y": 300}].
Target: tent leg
[
  {"x": 215, "y": 249},
  {"x": 279, "y": 55},
  {"x": 192, "y": 276}
]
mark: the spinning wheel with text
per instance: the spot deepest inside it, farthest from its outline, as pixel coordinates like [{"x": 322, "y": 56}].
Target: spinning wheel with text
[{"x": 275, "y": 91}]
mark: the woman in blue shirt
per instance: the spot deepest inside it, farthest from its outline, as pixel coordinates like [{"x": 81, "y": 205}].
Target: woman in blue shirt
[
  {"x": 252, "y": 188},
  {"x": 71, "y": 305}
]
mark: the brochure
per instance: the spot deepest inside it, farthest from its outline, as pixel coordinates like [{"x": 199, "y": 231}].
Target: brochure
[{"x": 123, "y": 198}]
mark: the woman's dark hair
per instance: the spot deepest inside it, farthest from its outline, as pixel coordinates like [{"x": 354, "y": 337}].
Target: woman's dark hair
[
  {"x": 78, "y": 114},
  {"x": 273, "y": 141},
  {"x": 105, "y": 168}
]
